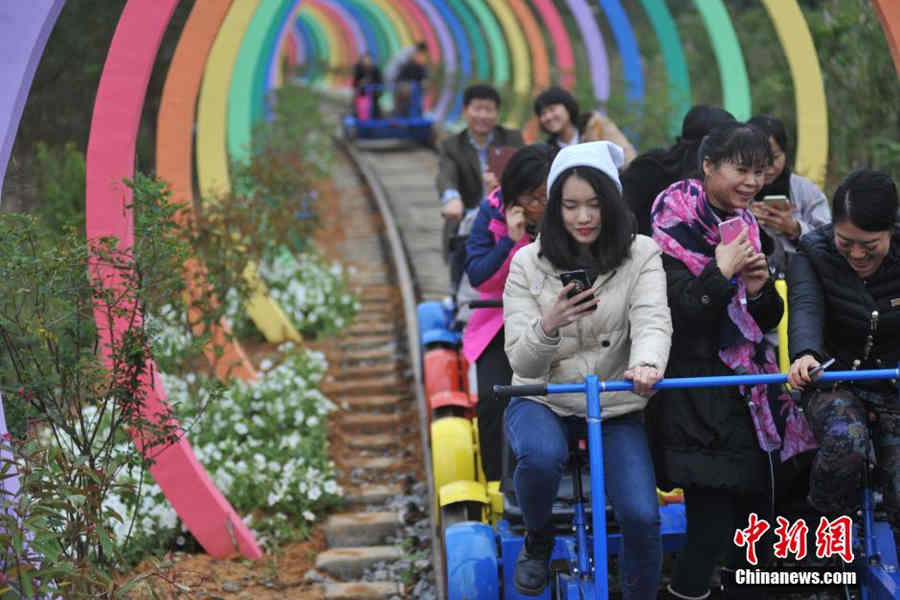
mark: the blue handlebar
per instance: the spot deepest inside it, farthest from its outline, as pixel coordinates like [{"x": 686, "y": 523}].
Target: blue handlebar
[{"x": 686, "y": 382}]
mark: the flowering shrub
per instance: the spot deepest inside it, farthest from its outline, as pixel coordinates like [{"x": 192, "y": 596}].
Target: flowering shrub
[
  {"x": 313, "y": 293},
  {"x": 263, "y": 443}
]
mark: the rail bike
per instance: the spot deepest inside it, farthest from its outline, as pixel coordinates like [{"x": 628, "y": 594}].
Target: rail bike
[
  {"x": 408, "y": 122},
  {"x": 482, "y": 527}
]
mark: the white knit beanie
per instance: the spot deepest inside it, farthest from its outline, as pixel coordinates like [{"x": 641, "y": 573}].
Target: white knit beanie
[{"x": 606, "y": 156}]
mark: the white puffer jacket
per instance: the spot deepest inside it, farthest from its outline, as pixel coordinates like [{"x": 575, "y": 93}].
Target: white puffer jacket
[{"x": 631, "y": 326}]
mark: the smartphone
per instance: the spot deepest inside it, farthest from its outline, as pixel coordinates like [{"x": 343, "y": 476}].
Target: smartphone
[
  {"x": 581, "y": 279},
  {"x": 777, "y": 201},
  {"x": 497, "y": 158},
  {"x": 730, "y": 229},
  {"x": 822, "y": 367}
]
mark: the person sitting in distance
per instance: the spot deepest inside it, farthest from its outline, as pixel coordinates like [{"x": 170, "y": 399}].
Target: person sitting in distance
[
  {"x": 807, "y": 207},
  {"x": 563, "y": 122},
  {"x": 844, "y": 295},
  {"x": 619, "y": 327}
]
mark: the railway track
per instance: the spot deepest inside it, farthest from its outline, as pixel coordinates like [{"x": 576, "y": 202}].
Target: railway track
[{"x": 386, "y": 531}]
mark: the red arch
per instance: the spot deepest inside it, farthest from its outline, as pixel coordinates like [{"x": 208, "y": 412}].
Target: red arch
[{"x": 110, "y": 157}]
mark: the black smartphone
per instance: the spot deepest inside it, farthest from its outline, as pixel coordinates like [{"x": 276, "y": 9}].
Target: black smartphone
[{"x": 582, "y": 282}]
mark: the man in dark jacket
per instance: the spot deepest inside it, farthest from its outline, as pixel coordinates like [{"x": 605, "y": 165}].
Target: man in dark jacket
[{"x": 463, "y": 177}]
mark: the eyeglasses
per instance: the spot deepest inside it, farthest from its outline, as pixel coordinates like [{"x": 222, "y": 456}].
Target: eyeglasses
[{"x": 526, "y": 200}]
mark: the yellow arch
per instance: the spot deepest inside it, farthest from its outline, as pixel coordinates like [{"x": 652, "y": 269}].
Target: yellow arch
[
  {"x": 809, "y": 89},
  {"x": 521, "y": 58},
  {"x": 212, "y": 153},
  {"x": 335, "y": 58}
]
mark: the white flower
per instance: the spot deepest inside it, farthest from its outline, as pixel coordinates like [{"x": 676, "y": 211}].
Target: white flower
[
  {"x": 308, "y": 515},
  {"x": 266, "y": 364},
  {"x": 241, "y": 428}
]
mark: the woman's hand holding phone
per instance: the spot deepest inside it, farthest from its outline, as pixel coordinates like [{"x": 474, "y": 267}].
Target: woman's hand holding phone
[
  {"x": 803, "y": 371},
  {"x": 755, "y": 273},
  {"x": 775, "y": 217},
  {"x": 568, "y": 310},
  {"x": 732, "y": 257}
]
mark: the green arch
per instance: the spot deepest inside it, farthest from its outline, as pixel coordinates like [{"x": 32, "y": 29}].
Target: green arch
[
  {"x": 260, "y": 75},
  {"x": 320, "y": 52},
  {"x": 496, "y": 41},
  {"x": 243, "y": 78},
  {"x": 733, "y": 71},
  {"x": 673, "y": 57},
  {"x": 482, "y": 69}
]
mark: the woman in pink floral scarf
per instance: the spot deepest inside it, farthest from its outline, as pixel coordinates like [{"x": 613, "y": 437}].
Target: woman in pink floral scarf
[{"x": 716, "y": 443}]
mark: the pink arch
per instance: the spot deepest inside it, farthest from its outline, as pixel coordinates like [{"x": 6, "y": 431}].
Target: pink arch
[
  {"x": 561, "y": 43},
  {"x": 110, "y": 158}
]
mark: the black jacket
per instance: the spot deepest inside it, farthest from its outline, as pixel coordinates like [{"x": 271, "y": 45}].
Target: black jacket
[
  {"x": 704, "y": 437},
  {"x": 831, "y": 306}
]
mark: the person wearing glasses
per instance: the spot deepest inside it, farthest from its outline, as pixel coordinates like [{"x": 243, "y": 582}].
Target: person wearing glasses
[
  {"x": 844, "y": 295},
  {"x": 507, "y": 221}
]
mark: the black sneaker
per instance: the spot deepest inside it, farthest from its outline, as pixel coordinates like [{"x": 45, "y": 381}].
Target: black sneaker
[{"x": 533, "y": 563}]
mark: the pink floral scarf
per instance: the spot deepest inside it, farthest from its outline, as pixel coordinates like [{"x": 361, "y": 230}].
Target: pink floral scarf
[{"x": 686, "y": 228}]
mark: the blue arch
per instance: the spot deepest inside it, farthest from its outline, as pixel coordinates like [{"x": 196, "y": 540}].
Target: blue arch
[
  {"x": 367, "y": 28},
  {"x": 465, "y": 58},
  {"x": 312, "y": 54},
  {"x": 628, "y": 49}
]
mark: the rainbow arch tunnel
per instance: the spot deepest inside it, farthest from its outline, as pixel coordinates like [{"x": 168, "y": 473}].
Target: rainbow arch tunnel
[{"x": 230, "y": 55}]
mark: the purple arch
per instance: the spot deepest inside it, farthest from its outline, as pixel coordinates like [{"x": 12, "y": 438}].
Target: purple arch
[
  {"x": 275, "y": 64},
  {"x": 449, "y": 51},
  {"x": 24, "y": 29},
  {"x": 596, "y": 51}
]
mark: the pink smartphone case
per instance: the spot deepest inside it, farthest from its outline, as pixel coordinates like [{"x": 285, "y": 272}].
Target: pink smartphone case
[{"x": 730, "y": 229}]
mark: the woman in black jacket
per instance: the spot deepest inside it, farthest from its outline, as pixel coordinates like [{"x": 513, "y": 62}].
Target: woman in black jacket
[
  {"x": 844, "y": 287},
  {"x": 714, "y": 442}
]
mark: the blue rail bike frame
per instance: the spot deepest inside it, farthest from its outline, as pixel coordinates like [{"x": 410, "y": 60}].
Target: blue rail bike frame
[{"x": 592, "y": 576}]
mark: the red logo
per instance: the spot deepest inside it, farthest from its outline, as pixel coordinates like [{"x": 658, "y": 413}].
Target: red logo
[
  {"x": 835, "y": 537},
  {"x": 749, "y": 536},
  {"x": 791, "y": 538}
]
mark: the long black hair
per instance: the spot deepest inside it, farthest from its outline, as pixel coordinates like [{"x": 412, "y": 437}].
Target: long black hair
[
  {"x": 617, "y": 227},
  {"x": 526, "y": 171},
  {"x": 868, "y": 199},
  {"x": 679, "y": 161}
]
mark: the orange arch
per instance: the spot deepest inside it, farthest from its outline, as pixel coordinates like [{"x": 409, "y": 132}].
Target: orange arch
[{"x": 174, "y": 158}]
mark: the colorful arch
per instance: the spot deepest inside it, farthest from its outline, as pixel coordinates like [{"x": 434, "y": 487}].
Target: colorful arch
[
  {"x": 23, "y": 36},
  {"x": 628, "y": 48},
  {"x": 522, "y": 81},
  {"x": 500, "y": 60},
  {"x": 26, "y": 26},
  {"x": 562, "y": 46},
  {"x": 110, "y": 158},
  {"x": 732, "y": 69},
  {"x": 174, "y": 161},
  {"x": 809, "y": 88},
  {"x": 212, "y": 156},
  {"x": 673, "y": 57},
  {"x": 888, "y": 12}
]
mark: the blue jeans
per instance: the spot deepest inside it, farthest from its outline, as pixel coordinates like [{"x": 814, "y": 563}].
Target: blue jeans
[{"x": 540, "y": 440}]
